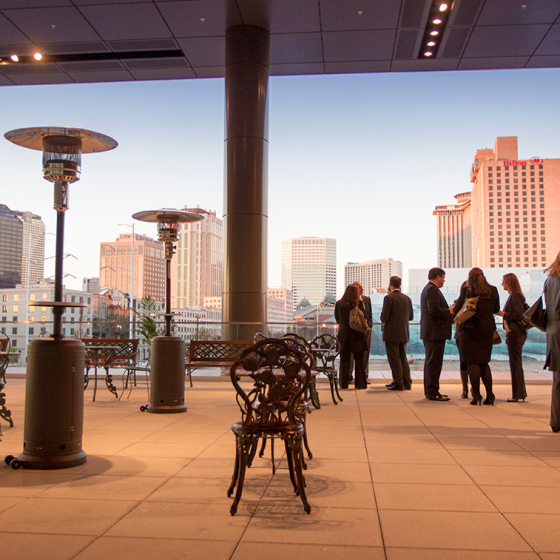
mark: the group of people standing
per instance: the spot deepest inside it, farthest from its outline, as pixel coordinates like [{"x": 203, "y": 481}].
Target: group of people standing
[{"x": 475, "y": 336}]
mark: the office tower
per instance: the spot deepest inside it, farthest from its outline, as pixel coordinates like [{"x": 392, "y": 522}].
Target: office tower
[
  {"x": 373, "y": 275},
  {"x": 197, "y": 269},
  {"x": 280, "y": 305},
  {"x": 309, "y": 268},
  {"x": 34, "y": 241},
  {"x": 454, "y": 233},
  {"x": 11, "y": 248},
  {"x": 149, "y": 266},
  {"x": 515, "y": 204},
  {"x": 91, "y": 285}
]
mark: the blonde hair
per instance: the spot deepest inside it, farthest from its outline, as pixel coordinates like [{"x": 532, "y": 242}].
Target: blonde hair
[{"x": 554, "y": 268}]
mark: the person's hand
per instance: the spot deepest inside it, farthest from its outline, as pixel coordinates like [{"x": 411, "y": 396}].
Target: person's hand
[
  {"x": 500, "y": 313},
  {"x": 451, "y": 308}
]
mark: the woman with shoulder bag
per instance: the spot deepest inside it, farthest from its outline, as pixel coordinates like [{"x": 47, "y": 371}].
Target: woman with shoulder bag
[
  {"x": 516, "y": 335},
  {"x": 352, "y": 342},
  {"x": 552, "y": 300},
  {"x": 476, "y": 334}
]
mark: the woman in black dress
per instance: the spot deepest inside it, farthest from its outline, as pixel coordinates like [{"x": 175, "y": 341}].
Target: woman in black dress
[
  {"x": 552, "y": 300},
  {"x": 477, "y": 333},
  {"x": 516, "y": 335},
  {"x": 351, "y": 342}
]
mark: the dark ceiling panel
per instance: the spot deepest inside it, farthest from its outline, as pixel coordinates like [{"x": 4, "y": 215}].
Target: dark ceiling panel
[
  {"x": 8, "y": 50},
  {"x": 358, "y": 45},
  {"x": 5, "y": 81},
  {"x": 143, "y": 45},
  {"x": 93, "y": 77},
  {"x": 91, "y": 66},
  {"x": 13, "y": 69},
  {"x": 464, "y": 12},
  {"x": 210, "y": 72},
  {"x": 282, "y": 16},
  {"x": 544, "y": 62},
  {"x": 359, "y": 14},
  {"x": 423, "y": 65},
  {"x": 163, "y": 74},
  {"x": 299, "y": 69},
  {"x": 519, "y": 12},
  {"x": 42, "y": 79},
  {"x": 74, "y": 48},
  {"x": 357, "y": 67},
  {"x": 506, "y": 40},
  {"x": 296, "y": 48},
  {"x": 37, "y": 23},
  {"x": 185, "y": 19},
  {"x": 454, "y": 42},
  {"x": 414, "y": 13},
  {"x": 493, "y": 63},
  {"x": 126, "y": 21},
  {"x": 160, "y": 63},
  {"x": 6, "y": 4},
  {"x": 551, "y": 43},
  {"x": 10, "y": 34},
  {"x": 204, "y": 51},
  {"x": 406, "y": 43}
]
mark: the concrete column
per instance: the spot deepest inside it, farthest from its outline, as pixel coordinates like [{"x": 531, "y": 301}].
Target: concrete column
[{"x": 246, "y": 181}]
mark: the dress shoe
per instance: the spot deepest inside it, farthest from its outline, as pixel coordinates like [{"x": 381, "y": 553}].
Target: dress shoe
[
  {"x": 555, "y": 429},
  {"x": 395, "y": 388},
  {"x": 489, "y": 400},
  {"x": 446, "y": 396},
  {"x": 440, "y": 398},
  {"x": 477, "y": 400},
  {"x": 465, "y": 393},
  {"x": 408, "y": 388},
  {"x": 390, "y": 384},
  {"x": 515, "y": 400},
  {"x": 368, "y": 382}
]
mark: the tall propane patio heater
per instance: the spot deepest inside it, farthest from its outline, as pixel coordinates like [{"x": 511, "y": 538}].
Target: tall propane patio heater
[
  {"x": 167, "y": 371},
  {"x": 54, "y": 395}
]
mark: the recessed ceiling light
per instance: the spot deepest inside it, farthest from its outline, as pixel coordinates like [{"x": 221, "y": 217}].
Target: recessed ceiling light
[
  {"x": 37, "y": 56},
  {"x": 437, "y": 21},
  {"x": 434, "y": 33},
  {"x": 442, "y": 7},
  {"x": 14, "y": 57},
  {"x": 431, "y": 44},
  {"x": 428, "y": 53}
]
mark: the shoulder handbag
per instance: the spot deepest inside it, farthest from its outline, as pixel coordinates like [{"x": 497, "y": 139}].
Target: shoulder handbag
[
  {"x": 467, "y": 311},
  {"x": 536, "y": 314},
  {"x": 496, "y": 339},
  {"x": 524, "y": 324},
  {"x": 357, "y": 320}
]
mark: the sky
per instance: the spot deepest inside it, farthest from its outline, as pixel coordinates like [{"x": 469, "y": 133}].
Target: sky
[{"x": 363, "y": 158}]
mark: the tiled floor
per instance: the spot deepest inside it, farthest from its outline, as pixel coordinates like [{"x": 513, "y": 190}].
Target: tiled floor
[{"x": 393, "y": 477}]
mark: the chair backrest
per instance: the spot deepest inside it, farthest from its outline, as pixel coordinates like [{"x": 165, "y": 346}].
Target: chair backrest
[
  {"x": 122, "y": 352},
  {"x": 329, "y": 343},
  {"x": 280, "y": 375},
  {"x": 3, "y": 344}
]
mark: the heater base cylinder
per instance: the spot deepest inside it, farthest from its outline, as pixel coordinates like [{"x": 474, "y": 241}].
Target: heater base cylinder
[
  {"x": 167, "y": 375},
  {"x": 54, "y": 404}
]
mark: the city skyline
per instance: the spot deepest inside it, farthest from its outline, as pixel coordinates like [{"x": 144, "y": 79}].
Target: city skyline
[{"x": 351, "y": 157}]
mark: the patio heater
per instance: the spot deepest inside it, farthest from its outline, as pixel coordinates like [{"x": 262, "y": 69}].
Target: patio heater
[
  {"x": 54, "y": 395},
  {"x": 167, "y": 371}
]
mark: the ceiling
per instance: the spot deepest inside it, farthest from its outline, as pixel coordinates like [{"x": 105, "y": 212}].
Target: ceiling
[{"x": 122, "y": 40}]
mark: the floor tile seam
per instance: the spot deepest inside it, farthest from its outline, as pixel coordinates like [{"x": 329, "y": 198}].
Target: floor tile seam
[{"x": 375, "y": 501}]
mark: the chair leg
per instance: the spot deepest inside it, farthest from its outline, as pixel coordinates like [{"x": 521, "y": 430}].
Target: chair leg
[
  {"x": 298, "y": 459},
  {"x": 235, "y": 475},
  {"x": 335, "y": 377},
  {"x": 331, "y": 383},
  {"x": 244, "y": 445},
  {"x": 253, "y": 452},
  {"x": 306, "y": 443},
  {"x": 263, "y": 447},
  {"x": 289, "y": 456}
]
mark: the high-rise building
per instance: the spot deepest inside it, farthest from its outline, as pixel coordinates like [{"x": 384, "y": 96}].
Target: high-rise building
[
  {"x": 280, "y": 305},
  {"x": 373, "y": 275},
  {"x": 454, "y": 233},
  {"x": 149, "y": 266},
  {"x": 515, "y": 204},
  {"x": 309, "y": 268},
  {"x": 197, "y": 268},
  {"x": 34, "y": 240},
  {"x": 11, "y": 248},
  {"x": 91, "y": 285}
]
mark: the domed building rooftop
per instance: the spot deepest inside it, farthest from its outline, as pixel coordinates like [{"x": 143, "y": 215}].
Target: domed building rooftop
[{"x": 303, "y": 303}]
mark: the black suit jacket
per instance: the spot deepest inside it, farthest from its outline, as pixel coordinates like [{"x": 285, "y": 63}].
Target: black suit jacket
[
  {"x": 368, "y": 313},
  {"x": 513, "y": 312},
  {"x": 396, "y": 313},
  {"x": 435, "y": 318}
]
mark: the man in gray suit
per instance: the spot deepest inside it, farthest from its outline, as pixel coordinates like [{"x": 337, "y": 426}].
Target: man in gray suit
[{"x": 396, "y": 313}]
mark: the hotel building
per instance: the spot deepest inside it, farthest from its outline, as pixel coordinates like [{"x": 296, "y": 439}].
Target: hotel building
[
  {"x": 454, "y": 233},
  {"x": 197, "y": 268},
  {"x": 33, "y": 241},
  {"x": 149, "y": 266},
  {"x": 373, "y": 275},
  {"x": 280, "y": 305},
  {"x": 309, "y": 268},
  {"x": 514, "y": 208}
]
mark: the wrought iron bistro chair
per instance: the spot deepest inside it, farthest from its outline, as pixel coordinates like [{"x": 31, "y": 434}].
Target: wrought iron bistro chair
[
  {"x": 269, "y": 409},
  {"x": 326, "y": 349}
]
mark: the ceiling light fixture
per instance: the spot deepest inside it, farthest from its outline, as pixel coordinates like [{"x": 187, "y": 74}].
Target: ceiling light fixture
[
  {"x": 428, "y": 53},
  {"x": 37, "y": 56},
  {"x": 431, "y": 44},
  {"x": 437, "y": 21},
  {"x": 434, "y": 33},
  {"x": 442, "y": 7},
  {"x": 15, "y": 57}
]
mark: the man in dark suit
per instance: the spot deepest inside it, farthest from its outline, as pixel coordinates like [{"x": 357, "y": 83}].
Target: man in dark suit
[
  {"x": 396, "y": 313},
  {"x": 435, "y": 329}
]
